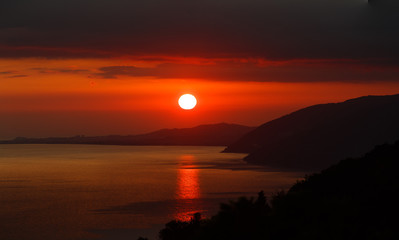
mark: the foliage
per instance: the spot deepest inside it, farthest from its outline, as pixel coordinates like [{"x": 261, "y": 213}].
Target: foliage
[{"x": 354, "y": 199}]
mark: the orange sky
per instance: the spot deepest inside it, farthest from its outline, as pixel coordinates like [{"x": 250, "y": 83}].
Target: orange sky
[
  {"x": 118, "y": 67},
  {"x": 66, "y": 97}
]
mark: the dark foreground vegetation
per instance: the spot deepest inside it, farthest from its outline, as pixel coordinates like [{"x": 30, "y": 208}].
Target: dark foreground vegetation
[{"x": 354, "y": 199}]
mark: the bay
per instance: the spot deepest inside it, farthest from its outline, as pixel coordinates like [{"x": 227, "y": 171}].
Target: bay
[{"x": 119, "y": 192}]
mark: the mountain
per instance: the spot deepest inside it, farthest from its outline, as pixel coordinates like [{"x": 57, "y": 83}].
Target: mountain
[
  {"x": 220, "y": 134},
  {"x": 317, "y": 136}
]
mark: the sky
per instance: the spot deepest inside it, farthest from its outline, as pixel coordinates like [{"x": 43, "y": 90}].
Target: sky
[{"x": 101, "y": 67}]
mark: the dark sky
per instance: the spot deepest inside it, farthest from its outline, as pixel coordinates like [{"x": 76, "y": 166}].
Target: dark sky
[{"x": 271, "y": 29}]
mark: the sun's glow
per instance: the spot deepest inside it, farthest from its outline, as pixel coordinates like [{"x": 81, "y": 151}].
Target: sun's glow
[{"x": 187, "y": 101}]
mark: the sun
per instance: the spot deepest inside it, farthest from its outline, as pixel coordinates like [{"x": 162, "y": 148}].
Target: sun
[{"x": 187, "y": 101}]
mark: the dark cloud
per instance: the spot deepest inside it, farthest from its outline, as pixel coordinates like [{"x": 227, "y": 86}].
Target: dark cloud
[
  {"x": 29, "y": 50},
  {"x": 18, "y": 76},
  {"x": 12, "y": 74},
  {"x": 71, "y": 70},
  {"x": 114, "y": 71},
  {"x": 61, "y": 70},
  {"x": 273, "y": 29},
  {"x": 294, "y": 71},
  {"x": 383, "y": 3}
]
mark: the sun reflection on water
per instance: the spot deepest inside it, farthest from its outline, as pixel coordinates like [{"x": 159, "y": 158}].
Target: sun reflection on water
[
  {"x": 188, "y": 185},
  {"x": 188, "y": 189}
]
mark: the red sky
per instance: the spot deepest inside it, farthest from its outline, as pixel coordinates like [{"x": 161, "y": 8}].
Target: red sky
[
  {"x": 119, "y": 67},
  {"x": 58, "y": 97}
]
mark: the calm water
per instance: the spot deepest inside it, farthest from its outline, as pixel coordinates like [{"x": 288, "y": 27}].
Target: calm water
[{"x": 118, "y": 192}]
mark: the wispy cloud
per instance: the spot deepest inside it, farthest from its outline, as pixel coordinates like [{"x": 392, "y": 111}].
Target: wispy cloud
[
  {"x": 61, "y": 70},
  {"x": 7, "y": 72},
  {"x": 18, "y": 76},
  {"x": 335, "y": 70},
  {"x": 111, "y": 72}
]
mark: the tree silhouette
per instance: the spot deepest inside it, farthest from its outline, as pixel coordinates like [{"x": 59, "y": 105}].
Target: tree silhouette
[{"x": 355, "y": 199}]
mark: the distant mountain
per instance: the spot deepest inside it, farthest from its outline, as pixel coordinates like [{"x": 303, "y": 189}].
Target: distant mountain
[
  {"x": 318, "y": 136},
  {"x": 220, "y": 134}
]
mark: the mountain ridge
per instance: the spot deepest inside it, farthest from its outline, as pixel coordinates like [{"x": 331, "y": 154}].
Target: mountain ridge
[
  {"x": 317, "y": 136},
  {"x": 219, "y": 134}
]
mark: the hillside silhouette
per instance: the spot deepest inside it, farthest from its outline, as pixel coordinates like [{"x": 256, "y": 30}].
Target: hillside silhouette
[
  {"x": 354, "y": 199},
  {"x": 315, "y": 137},
  {"x": 220, "y": 134}
]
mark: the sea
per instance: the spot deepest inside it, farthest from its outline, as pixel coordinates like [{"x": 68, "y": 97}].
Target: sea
[{"x": 103, "y": 192}]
